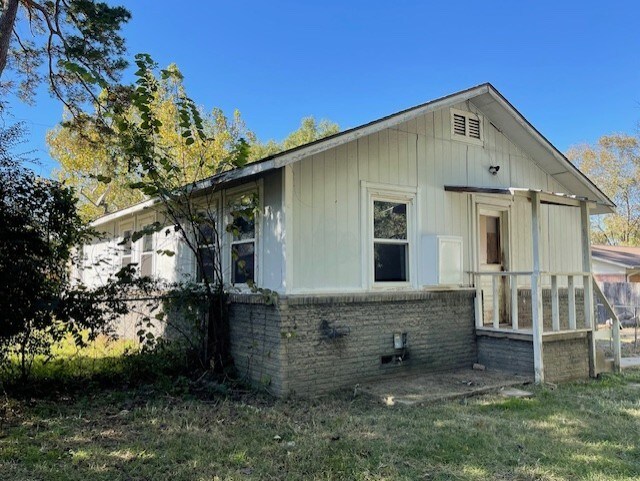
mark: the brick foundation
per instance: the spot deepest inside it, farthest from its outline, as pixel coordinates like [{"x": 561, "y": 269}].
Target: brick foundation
[
  {"x": 313, "y": 344},
  {"x": 505, "y": 352},
  {"x": 566, "y": 357},
  {"x": 310, "y": 344}
]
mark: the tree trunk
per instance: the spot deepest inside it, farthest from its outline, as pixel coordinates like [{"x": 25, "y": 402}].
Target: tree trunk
[
  {"x": 218, "y": 333},
  {"x": 7, "y": 20}
]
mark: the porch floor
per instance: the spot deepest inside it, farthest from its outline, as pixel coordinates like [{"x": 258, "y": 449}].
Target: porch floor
[{"x": 424, "y": 388}]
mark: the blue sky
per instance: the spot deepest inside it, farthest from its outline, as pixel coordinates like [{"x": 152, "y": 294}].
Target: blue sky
[{"x": 572, "y": 70}]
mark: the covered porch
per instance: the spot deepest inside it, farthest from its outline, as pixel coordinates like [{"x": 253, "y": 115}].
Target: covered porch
[{"x": 538, "y": 321}]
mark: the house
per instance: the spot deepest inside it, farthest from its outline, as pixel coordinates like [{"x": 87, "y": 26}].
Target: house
[
  {"x": 617, "y": 271},
  {"x": 616, "y": 263},
  {"x": 442, "y": 235}
]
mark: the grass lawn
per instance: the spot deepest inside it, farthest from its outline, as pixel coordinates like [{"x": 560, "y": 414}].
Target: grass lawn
[{"x": 585, "y": 431}]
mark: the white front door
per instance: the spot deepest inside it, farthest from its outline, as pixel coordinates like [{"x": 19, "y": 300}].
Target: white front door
[{"x": 492, "y": 235}]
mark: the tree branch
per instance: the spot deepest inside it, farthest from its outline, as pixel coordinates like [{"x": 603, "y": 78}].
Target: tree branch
[{"x": 7, "y": 22}]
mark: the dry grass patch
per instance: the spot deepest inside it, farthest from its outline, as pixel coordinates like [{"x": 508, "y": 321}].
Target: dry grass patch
[{"x": 581, "y": 431}]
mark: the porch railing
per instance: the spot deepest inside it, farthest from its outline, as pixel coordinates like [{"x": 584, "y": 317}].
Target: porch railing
[
  {"x": 512, "y": 285},
  {"x": 614, "y": 333}
]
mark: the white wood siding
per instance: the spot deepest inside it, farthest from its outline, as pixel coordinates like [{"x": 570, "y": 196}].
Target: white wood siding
[
  {"x": 560, "y": 239},
  {"x": 106, "y": 252},
  {"x": 420, "y": 153},
  {"x": 322, "y": 235}
]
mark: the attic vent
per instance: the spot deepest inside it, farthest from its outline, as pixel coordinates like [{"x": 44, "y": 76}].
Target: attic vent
[
  {"x": 459, "y": 124},
  {"x": 474, "y": 129},
  {"x": 466, "y": 126}
]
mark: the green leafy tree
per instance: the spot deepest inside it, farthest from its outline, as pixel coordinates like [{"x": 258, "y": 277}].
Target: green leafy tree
[
  {"x": 183, "y": 196},
  {"x": 87, "y": 156},
  {"x": 614, "y": 165},
  {"x": 74, "y": 45},
  {"x": 39, "y": 231},
  {"x": 309, "y": 131}
]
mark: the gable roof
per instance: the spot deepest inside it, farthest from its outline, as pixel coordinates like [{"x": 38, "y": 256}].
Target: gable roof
[
  {"x": 485, "y": 97},
  {"x": 628, "y": 257},
  {"x": 491, "y": 102}
]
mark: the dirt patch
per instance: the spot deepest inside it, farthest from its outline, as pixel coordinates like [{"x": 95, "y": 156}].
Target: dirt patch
[
  {"x": 629, "y": 343},
  {"x": 426, "y": 388}
]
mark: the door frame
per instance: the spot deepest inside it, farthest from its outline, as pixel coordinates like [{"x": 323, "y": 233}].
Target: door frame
[
  {"x": 501, "y": 208},
  {"x": 491, "y": 206}
]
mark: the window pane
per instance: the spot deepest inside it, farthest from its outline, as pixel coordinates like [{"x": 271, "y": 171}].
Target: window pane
[
  {"x": 493, "y": 240},
  {"x": 244, "y": 228},
  {"x": 146, "y": 264},
  {"x": 147, "y": 243},
  {"x": 126, "y": 260},
  {"x": 243, "y": 260},
  {"x": 126, "y": 248},
  {"x": 389, "y": 220},
  {"x": 390, "y": 262},
  {"x": 207, "y": 269},
  {"x": 206, "y": 234}
]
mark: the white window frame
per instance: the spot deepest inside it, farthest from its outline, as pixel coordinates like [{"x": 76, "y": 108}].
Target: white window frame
[
  {"x": 229, "y": 197},
  {"x": 214, "y": 208},
  {"x": 141, "y": 223},
  {"x": 466, "y": 138},
  {"x": 388, "y": 193},
  {"x": 124, "y": 226}
]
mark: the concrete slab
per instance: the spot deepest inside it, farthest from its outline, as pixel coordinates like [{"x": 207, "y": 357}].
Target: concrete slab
[
  {"x": 629, "y": 362},
  {"x": 424, "y": 388}
]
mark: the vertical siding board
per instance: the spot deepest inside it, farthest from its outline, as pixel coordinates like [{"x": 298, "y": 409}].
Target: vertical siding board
[
  {"x": 438, "y": 173},
  {"x": 422, "y": 181},
  {"x": 363, "y": 158},
  {"x": 421, "y": 127},
  {"x": 448, "y": 163},
  {"x": 317, "y": 215},
  {"x": 432, "y": 205},
  {"x": 330, "y": 218},
  {"x": 341, "y": 212},
  {"x": 393, "y": 162},
  {"x": 383, "y": 156},
  {"x": 411, "y": 165},
  {"x": 307, "y": 233},
  {"x": 295, "y": 224},
  {"x": 352, "y": 246},
  {"x": 412, "y": 126},
  {"x": 373, "y": 159}
]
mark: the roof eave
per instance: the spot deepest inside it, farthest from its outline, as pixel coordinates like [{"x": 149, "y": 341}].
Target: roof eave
[{"x": 605, "y": 202}]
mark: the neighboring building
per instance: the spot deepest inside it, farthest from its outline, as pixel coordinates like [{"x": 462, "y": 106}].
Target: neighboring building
[
  {"x": 416, "y": 241},
  {"x": 616, "y": 263}
]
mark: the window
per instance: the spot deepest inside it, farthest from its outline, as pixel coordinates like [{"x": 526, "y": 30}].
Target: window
[
  {"x": 466, "y": 126},
  {"x": 127, "y": 248},
  {"x": 146, "y": 257},
  {"x": 243, "y": 239},
  {"x": 490, "y": 230},
  {"x": 390, "y": 241},
  {"x": 207, "y": 241}
]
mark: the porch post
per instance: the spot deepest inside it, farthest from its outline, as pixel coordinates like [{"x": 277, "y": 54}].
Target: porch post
[
  {"x": 536, "y": 290},
  {"x": 588, "y": 284}
]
